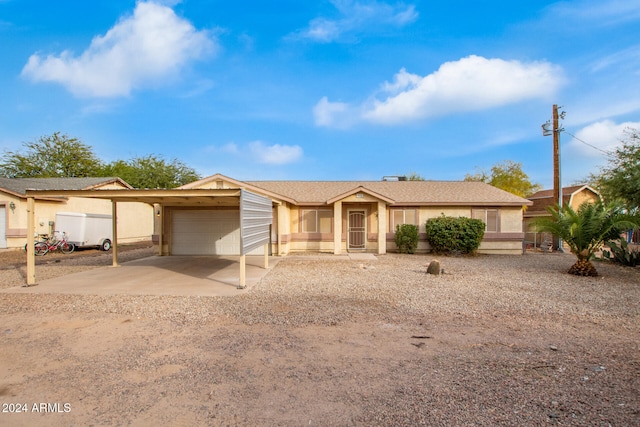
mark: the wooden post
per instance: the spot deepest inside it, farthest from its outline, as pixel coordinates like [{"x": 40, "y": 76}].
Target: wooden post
[
  {"x": 31, "y": 257},
  {"x": 160, "y": 230},
  {"x": 556, "y": 158},
  {"x": 243, "y": 268},
  {"x": 557, "y": 183},
  {"x": 114, "y": 233},
  {"x": 266, "y": 256}
]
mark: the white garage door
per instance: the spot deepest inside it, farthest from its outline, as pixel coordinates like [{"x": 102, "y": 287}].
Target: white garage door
[
  {"x": 3, "y": 227},
  {"x": 205, "y": 232}
]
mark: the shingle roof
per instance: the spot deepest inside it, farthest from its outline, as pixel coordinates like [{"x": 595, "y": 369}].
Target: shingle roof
[
  {"x": 401, "y": 192},
  {"x": 18, "y": 186},
  {"x": 566, "y": 192}
]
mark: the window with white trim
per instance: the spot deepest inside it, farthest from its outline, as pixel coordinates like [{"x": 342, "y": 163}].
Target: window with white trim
[
  {"x": 317, "y": 221},
  {"x": 490, "y": 217},
  {"x": 403, "y": 216}
]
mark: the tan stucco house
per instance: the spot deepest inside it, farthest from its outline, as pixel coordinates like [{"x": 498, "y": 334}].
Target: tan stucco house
[
  {"x": 13, "y": 208},
  {"x": 346, "y": 216},
  {"x": 219, "y": 215},
  {"x": 574, "y": 196}
]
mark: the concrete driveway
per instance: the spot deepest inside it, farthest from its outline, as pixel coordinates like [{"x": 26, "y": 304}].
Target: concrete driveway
[{"x": 156, "y": 275}]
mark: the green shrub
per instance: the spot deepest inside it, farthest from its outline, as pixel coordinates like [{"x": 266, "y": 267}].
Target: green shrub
[
  {"x": 622, "y": 254},
  {"x": 447, "y": 234},
  {"x": 407, "y": 238}
]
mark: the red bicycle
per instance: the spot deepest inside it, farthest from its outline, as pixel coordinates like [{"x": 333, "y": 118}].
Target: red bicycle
[{"x": 53, "y": 244}]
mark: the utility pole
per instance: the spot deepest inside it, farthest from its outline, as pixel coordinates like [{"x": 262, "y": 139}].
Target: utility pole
[
  {"x": 557, "y": 182},
  {"x": 557, "y": 191}
]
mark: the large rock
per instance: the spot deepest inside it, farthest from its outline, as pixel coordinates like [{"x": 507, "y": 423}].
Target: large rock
[{"x": 434, "y": 267}]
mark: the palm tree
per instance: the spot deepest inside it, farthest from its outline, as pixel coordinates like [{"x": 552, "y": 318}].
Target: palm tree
[{"x": 586, "y": 229}]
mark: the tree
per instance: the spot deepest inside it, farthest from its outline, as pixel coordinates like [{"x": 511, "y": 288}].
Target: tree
[
  {"x": 51, "y": 156},
  {"x": 508, "y": 176},
  {"x": 414, "y": 176},
  {"x": 620, "y": 179},
  {"x": 586, "y": 229},
  {"x": 151, "y": 172}
]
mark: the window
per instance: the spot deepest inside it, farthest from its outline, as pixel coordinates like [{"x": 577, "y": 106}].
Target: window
[
  {"x": 317, "y": 221},
  {"x": 491, "y": 218},
  {"x": 403, "y": 216}
]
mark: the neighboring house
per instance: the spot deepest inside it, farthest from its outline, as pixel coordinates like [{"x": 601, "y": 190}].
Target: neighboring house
[
  {"x": 343, "y": 216},
  {"x": 574, "y": 196},
  {"x": 13, "y": 208}
]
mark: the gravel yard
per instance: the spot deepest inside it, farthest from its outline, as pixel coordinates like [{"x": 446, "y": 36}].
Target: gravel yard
[{"x": 495, "y": 340}]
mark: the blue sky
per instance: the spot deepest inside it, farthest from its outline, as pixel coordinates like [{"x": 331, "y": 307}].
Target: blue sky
[{"x": 325, "y": 90}]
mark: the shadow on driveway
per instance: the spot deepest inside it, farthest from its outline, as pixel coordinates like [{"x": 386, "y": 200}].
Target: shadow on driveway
[{"x": 160, "y": 275}]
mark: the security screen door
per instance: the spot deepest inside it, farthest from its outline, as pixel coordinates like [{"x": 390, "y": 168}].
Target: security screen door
[{"x": 357, "y": 229}]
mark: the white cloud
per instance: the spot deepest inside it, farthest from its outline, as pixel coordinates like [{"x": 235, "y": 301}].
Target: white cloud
[
  {"x": 596, "y": 12},
  {"x": 356, "y": 17},
  {"x": 275, "y": 154},
  {"x": 330, "y": 114},
  {"x": 471, "y": 83},
  {"x": 601, "y": 136},
  {"x": 142, "y": 49}
]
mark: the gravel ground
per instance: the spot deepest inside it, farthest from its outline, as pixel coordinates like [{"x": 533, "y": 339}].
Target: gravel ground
[{"x": 495, "y": 340}]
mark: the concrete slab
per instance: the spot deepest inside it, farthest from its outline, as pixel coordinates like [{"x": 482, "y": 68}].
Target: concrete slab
[{"x": 160, "y": 275}]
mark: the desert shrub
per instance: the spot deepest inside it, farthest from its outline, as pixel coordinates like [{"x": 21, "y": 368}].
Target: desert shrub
[
  {"x": 407, "y": 238},
  {"x": 447, "y": 234},
  {"x": 621, "y": 254}
]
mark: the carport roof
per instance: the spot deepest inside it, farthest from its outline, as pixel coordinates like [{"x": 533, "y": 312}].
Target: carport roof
[
  {"x": 193, "y": 197},
  {"x": 19, "y": 186}
]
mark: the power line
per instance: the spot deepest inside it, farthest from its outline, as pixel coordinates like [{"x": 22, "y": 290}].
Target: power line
[{"x": 608, "y": 153}]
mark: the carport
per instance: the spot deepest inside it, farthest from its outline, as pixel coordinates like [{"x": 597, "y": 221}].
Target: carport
[{"x": 252, "y": 212}]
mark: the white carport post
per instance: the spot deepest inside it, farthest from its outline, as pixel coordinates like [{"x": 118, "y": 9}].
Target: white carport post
[
  {"x": 243, "y": 271},
  {"x": 266, "y": 256},
  {"x": 114, "y": 227},
  {"x": 31, "y": 259}
]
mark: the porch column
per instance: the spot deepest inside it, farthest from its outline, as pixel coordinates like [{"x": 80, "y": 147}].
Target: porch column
[
  {"x": 382, "y": 227},
  {"x": 114, "y": 233},
  {"x": 283, "y": 228},
  {"x": 337, "y": 228},
  {"x": 31, "y": 259}
]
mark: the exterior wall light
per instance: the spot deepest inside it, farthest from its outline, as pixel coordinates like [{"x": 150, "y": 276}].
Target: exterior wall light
[{"x": 12, "y": 206}]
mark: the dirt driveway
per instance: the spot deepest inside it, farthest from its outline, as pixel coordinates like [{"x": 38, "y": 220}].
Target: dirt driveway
[{"x": 496, "y": 340}]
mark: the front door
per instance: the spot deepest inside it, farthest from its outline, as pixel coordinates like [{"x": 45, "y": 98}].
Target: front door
[{"x": 357, "y": 230}]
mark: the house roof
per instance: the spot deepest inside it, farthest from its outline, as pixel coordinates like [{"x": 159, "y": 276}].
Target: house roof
[
  {"x": 407, "y": 193},
  {"x": 18, "y": 186},
  {"x": 397, "y": 192},
  {"x": 566, "y": 192}
]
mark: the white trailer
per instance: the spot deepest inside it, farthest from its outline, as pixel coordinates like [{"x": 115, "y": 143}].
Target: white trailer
[{"x": 86, "y": 229}]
